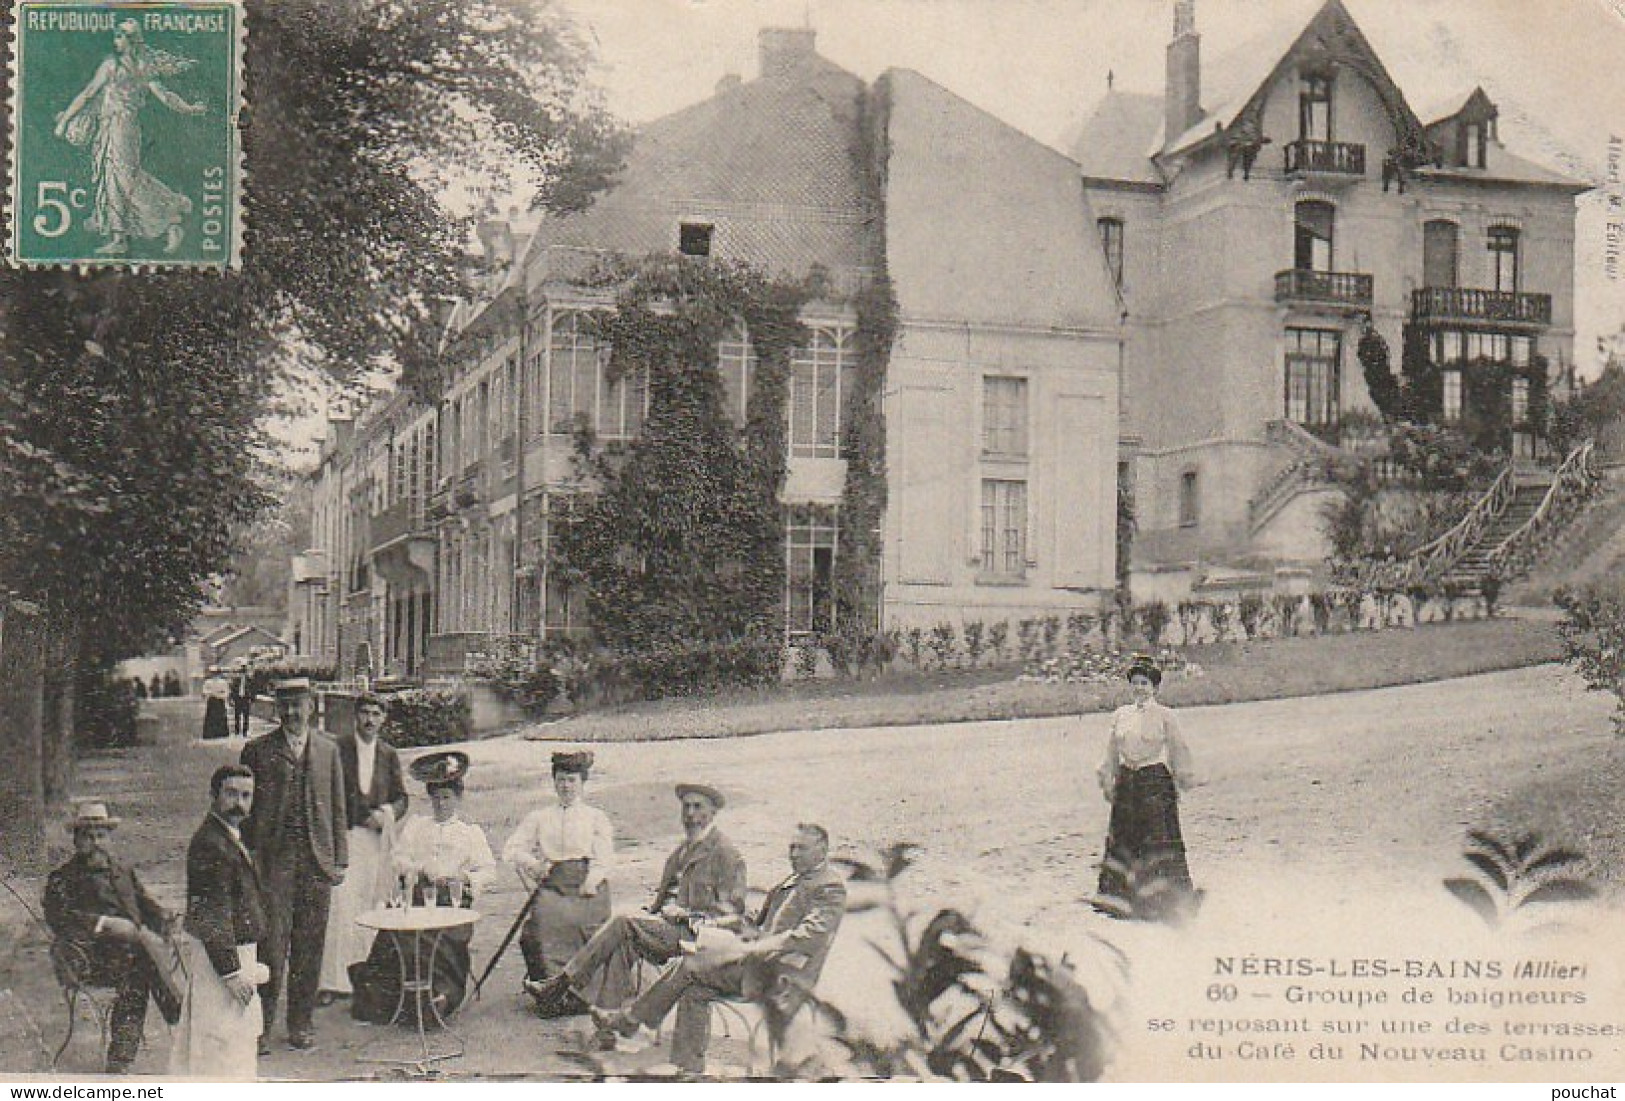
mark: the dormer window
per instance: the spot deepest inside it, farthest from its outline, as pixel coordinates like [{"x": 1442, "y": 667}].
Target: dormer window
[
  {"x": 1473, "y": 144},
  {"x": 694, "y": 238},
  {"x": 1315, "y": 107}
]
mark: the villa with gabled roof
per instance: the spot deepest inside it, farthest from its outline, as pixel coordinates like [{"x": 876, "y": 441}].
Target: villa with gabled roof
[{"x": 1258, "y": 216}]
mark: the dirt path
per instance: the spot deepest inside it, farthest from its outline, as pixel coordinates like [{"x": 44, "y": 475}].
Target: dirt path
[{"x": 1339, "y": 798}]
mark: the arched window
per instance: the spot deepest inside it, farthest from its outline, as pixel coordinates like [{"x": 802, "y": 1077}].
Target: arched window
[
  {"x": 1503, "y": 245},
  {"x": 1313, "y": 222},
  {"x": 1315, "y": 107}
]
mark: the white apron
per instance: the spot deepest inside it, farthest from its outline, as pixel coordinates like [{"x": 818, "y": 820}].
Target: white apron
[
  {"x": 366, "y": 887},
  {"x": 218, "y": 1036}
]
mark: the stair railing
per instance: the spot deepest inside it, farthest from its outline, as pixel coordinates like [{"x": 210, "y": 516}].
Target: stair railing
[
  {"x": 1313, "y": 460},
  {"x": 1573, "y": 482},
  {"x": 1432, "y": 559}
]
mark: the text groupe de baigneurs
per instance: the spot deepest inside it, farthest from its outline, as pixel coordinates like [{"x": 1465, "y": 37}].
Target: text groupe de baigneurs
[{"x": 1416, "y": 970}]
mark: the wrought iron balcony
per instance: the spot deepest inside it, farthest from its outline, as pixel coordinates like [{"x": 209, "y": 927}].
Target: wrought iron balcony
[
  {"x": 1331, "y": 158},
  {"x": 403, "y": 518},
  {"x": 1473, "y": 304},
  {"x": 1340, "y": 288}
]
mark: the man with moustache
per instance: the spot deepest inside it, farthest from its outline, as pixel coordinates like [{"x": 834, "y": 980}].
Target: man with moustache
[
  {"x": 98, "y": 910},
  {"x": 298, "y": 835},
  {"x": 775, "y": 961},
  {"x": 703, "y": 882},
  {"x": 225, "y": 917},
  {"x": 375, "y": 804}
]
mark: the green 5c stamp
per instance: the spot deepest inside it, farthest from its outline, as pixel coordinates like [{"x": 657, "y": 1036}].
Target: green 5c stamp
[{"x": 124, "y": 134}]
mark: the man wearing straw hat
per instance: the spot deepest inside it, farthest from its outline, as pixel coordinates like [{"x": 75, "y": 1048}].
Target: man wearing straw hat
[
  {"x": 100, "y": 908},
  {"x": 298, "y": 835}
]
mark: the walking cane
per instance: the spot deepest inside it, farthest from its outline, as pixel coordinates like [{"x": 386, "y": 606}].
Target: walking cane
[{"x": 524, "y": 912}]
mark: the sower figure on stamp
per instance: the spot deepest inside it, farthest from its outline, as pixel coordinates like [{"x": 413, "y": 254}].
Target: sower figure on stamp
[
  {"x": 225, "y": 918},
  {"x": 99, "y": 910},
  {"x": 129, "y": 201},
  {"x": 565, "y": 850},
  {"x": 297, "y": 834},
  {"x": 775, "y": 961},
  {"x": 703, "y": 881}
]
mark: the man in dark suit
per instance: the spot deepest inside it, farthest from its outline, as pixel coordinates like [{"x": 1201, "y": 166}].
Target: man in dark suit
[
  {"x": 98, "y": 909},
  {"x": 775, "y": 962},
  {"x": 297, "y": 833},
  {"x": 225, "y": 911},
  {"x": 242, "y": 703},
  {"x": 703, "y": 881},
  {"x": 374, "y": 800}
]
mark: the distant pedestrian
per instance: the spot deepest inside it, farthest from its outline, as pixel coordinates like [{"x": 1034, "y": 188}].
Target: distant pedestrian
[
  {"x": 1145, "y": 765},
  {"x": 155, "y": 687},
  {"x": 172, "y": 684},
  {"x": 215, "y": 690},
  {"x": 139, "y": 687},
  {"x": 242, "y": 700}
]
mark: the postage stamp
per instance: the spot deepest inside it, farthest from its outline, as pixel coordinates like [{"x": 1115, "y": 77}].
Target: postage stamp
[{"x": 124, "y": 141}]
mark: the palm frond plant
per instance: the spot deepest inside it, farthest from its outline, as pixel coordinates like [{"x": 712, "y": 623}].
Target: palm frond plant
[
  {"x": 973, "y": 1017},
  {"x": 1514, "y": 876}
]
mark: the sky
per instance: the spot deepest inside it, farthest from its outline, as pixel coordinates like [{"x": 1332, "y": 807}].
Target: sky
[{"x": 1554, "y": 67}]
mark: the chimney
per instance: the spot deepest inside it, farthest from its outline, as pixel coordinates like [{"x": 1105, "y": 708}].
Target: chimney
[
  {"x": 728, "y": 83},
  {"x": 1183, "y": 98},
  {"x": 785, "y": 50}
]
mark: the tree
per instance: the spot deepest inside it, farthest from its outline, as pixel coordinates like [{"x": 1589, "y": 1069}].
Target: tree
[
  {"x": 258, "y": 574},
  {"x": 130, "y": 403}
]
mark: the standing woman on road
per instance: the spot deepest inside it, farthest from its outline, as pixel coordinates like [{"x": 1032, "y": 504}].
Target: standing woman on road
[
  {"x": 215, "y": 688},
  {"x": 1145, "y": 765}
]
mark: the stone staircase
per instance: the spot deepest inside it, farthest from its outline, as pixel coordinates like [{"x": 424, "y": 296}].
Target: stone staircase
[
  {"x": 1527, "y": 495},
  {"x": 1510, "y": 528}
]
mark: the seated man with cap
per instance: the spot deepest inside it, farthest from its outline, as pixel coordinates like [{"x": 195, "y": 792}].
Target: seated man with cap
[
  {"x": 563, "y": 854},
  {"x": 99, "y": 910},
  {"x": 440, "y": 861},
  {"x": 774, "y": 961},
  {"x": 703, "y": 882}
]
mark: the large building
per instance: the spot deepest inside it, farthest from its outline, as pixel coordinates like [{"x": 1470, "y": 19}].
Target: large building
[
  {"x": 433, "y": 522},
  {"x": 1177, "y": 308},
  {"x": 1257, "y": 217}
]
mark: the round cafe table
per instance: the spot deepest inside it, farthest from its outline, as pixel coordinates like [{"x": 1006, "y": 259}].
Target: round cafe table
[{"x": 409, "y": 926}]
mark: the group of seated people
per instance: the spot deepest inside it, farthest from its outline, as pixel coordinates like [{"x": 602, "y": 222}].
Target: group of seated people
[{"x": 580, "y": 958}]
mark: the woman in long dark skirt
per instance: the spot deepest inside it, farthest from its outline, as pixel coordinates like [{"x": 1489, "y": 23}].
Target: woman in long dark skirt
[
  {"x": 443, "y": 861},
  {"x": 215, "y": 689},
  {"x": 1145, "y": 767}
]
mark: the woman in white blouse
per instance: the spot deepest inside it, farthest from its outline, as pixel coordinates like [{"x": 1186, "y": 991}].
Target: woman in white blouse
[
  {"x": 1145, "y": 766},
  {"x": 440, "y": 861},
  {"x": 563, "y": 854}
]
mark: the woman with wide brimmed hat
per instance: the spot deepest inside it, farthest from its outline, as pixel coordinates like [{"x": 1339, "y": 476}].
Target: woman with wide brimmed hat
[
  {"x": 563, "y": 854},
  {"x": 1145, "y": 766},
  {"x": 441, "y": 860}
]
